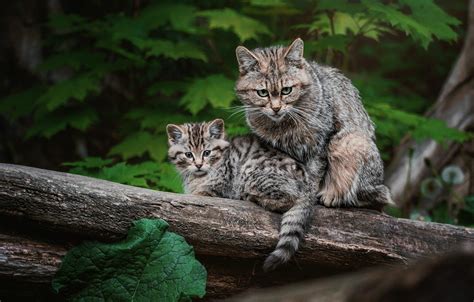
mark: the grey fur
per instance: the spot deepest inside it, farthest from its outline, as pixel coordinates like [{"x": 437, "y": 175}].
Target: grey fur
[
  {"x": 321, "y": 123},
  {"x": 247, "y": 169}
]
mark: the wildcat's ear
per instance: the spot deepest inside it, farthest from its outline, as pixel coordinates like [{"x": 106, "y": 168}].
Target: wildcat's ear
[
  {"x": 216, "y": 129},
  {"x": 294, "y": 52},
  {"x": 245, "y": 58},
  {"x": 175, "y": 133}
]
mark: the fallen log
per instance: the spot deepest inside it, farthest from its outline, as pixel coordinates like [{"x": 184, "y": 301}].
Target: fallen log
[
  {"x": 230, "y": 237},
  {"x": 446, "y": 278}
]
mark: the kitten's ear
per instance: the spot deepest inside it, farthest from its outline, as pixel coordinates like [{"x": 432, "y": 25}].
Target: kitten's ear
[
  {"x": 216, "y": 129},
  {"x": 245, "y": 58},
  {"x": 175, "y": 133},
  {"x": 294, "y": 52}
]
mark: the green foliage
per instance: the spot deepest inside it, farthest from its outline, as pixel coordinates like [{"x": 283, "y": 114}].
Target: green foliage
[
  {"x": 147, "y": 174},
  {"x": 175, "y": 51},
  {"x": 125, "y": 72},
  {"x": 228, "y": 19},
  {"x": 77, "y": 88},
  {"x": 466, "y": 214},
  {"x": 396, "y": 116},
  {"x": 393, "y": 123},
  {"x": 151, "y": 264},
  {"x": 139, "y": 143},
  {"x": 20, "y": 104},
  {"x": 49, "y": 124},
  {"x": 372, "y": 18}
]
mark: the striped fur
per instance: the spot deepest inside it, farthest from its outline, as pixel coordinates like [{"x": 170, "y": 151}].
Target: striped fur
[
  {"x": 321, "y": 123},
  {"x": 246, "y": 169}
]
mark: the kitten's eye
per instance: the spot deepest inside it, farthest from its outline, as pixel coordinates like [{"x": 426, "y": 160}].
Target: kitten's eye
[
  {"x": 262, "y": 93},
  {"x": 188, "y": 155},
  {"x": 286, "y": 90},
  {"x": 206, "y": 153}
]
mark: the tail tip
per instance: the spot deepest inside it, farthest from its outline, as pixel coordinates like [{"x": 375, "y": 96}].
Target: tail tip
[{"x": 272, "y": 262}]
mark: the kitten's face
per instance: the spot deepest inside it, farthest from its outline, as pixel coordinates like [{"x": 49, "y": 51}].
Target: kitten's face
[
  {"x": 272, "y": 80},
  {"x": 196, "y": 148}
]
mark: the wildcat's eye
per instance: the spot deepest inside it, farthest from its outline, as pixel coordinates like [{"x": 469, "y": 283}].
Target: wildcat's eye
[
  {"x": 262, "y": 93},
  {"x": 206, "y": 153},
  {"x": 286, "y": 90},
  {"x": 188, "y": 155}
]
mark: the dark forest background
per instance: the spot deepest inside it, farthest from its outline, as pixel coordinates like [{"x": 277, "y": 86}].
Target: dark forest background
[{"x": 89, "y": 86}]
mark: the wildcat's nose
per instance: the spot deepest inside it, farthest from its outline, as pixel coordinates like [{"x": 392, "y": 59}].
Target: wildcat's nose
[
  {"x": 198, "y": 166},
  {"x": 276, "y": 109}
]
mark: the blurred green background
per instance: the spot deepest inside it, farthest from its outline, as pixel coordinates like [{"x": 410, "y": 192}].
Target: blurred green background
[{"x": 89, "y": 86}]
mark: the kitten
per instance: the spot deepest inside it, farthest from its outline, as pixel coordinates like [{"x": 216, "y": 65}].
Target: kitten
[
  {"x": 244, "y": 168},
  {"x": 314, "y": 114}
]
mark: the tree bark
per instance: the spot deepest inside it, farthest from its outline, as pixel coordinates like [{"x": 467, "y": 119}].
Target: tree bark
[
  {"x": 447, "y": 278},
  {"x": 455, "y": 105},
  {"x": 230, "y": 237}
]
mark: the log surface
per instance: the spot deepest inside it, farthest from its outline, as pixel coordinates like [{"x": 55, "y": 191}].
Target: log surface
[
  {"x": 230, "y": 237},
  {"x": 446, "y": 278}
]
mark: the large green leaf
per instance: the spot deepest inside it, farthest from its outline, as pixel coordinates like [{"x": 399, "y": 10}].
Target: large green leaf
[
  {"x": 228, "y": 19},
  {"x": 216, "y": 90},
  {"x": 151, "y": 264}
]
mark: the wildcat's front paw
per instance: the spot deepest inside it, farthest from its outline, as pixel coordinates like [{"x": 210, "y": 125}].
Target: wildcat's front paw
[{"x": 331, "y": 200}]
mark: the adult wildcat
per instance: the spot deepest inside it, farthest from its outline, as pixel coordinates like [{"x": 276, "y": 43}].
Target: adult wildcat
[
  {"x": 314, "y": 114},
  {"x": 244, "y": 168}
]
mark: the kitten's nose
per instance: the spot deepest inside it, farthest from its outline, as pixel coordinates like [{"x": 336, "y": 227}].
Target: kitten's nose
[
  {"x": 198, "y": 166},
  {"x": 276, "y": 109}
]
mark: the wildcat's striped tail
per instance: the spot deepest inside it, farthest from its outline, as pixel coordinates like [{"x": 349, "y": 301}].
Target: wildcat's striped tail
[{"x": 293, "y": 227}]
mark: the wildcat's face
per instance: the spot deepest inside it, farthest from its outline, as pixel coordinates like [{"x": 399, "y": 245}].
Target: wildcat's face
[
  {"x": 272, "y": 80},
  {"x": 196, "y": 148}
]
